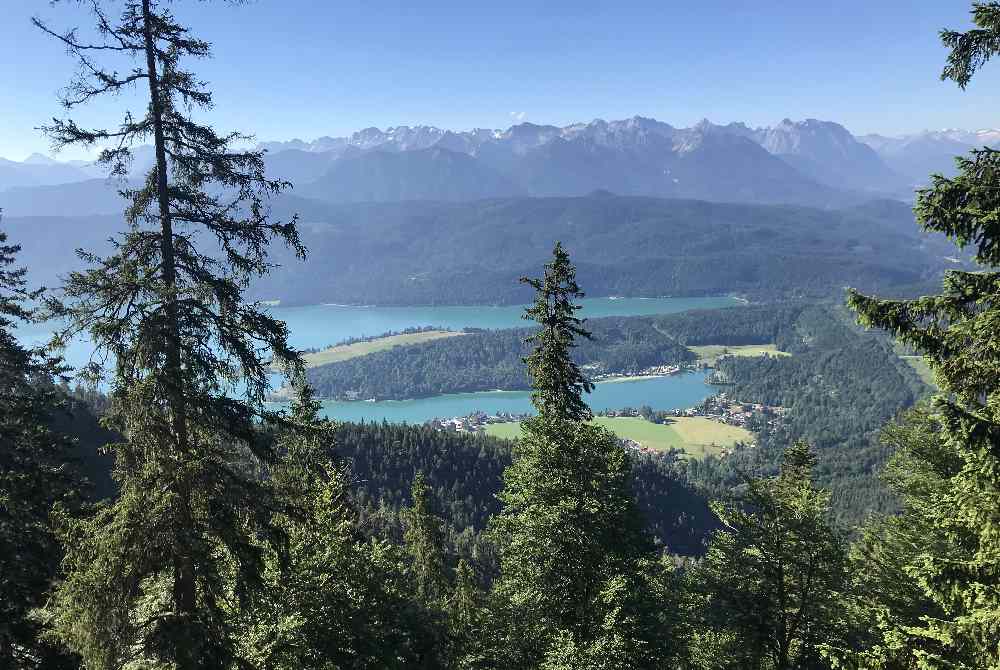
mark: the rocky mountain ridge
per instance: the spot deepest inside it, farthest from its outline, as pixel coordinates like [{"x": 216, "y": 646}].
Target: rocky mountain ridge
[{"x": 811, "y": 162}]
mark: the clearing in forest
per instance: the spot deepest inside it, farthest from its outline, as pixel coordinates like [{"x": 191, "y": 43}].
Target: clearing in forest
[
  {"x": 697, "y": 436},
  {"x": 343, "y": 352},
  {"x": 710, "y": 353}
]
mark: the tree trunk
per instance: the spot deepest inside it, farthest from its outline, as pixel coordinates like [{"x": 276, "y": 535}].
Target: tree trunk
[{"x": 184, "y": 590}]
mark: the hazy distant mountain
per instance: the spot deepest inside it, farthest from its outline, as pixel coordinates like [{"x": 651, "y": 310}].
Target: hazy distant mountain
[
  {"x": 984, "y": 137},
  {"x": 809, "y": 162},
  {"x": 919, "y": 155},
  {"x": 419, "y": 174},
  {"x": 298, "y": 166},
  {"x": 635, "y": 156},
  {"x": 37, "y": 171},
  {"x": 81, "y": 198},
  {"x": 41, "y": 170},
  {"x": 399, "y": 138},
  {"x": 39, "y": 159},
  {"x": 721, "y": 166},
  {"x": 828, "y": 153}
]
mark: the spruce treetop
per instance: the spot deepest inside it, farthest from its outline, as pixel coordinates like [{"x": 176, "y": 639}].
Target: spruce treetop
[{"x": 557, "y": 381}]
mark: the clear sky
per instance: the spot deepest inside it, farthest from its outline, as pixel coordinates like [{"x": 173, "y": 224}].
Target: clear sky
[{"x": 297, "y": 68}]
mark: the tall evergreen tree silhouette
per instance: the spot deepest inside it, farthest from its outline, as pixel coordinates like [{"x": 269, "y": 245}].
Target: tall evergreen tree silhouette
[
  {"x": 958, "y": 332},
  {"x": 557, "y": 383},
  {"x": 149, "y": 576},
  {"x": 578, "y": 570}
]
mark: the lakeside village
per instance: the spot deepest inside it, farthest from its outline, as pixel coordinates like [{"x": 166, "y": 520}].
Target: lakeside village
[{"x": 753, "y": 417}]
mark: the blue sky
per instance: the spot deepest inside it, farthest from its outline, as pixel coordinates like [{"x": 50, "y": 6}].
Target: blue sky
[{"x": 296, "y": 68}]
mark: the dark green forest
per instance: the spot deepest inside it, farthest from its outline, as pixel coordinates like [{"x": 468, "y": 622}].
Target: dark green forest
[
  {"x": 439, "y": 253},
  {"x": 465, "y": 472},
  {"x": 427, "y": 253},
  {"x": 841, "y": 384},
  {"x": 840, "y": 387},
  {"x": 157, "y": 512}
]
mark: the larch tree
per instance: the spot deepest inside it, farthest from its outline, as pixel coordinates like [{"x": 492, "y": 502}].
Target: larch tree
[
  {"x": 576, "y": 565},
  {"x": 958, "y": 332},
  {"x": 34, "y": 474},
  {"x": 150, "y": 577}
]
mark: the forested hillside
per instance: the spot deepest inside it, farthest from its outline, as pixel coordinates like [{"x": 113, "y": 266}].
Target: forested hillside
[
  {"x": 460, "y": 253},
  {"x": 465, "y": 472},
  {"x": 840, "y": 387},
  {"x": 489, "y": 360},
  {"x": 427, "y": 253}
]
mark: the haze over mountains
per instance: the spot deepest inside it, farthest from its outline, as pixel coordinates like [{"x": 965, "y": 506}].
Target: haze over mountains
[
  {"x": 811, "y": 162},
  {"x": 921, "y": 154},
  {"x": 424, "y": 215},
  {"x": 424, "y": 253}
]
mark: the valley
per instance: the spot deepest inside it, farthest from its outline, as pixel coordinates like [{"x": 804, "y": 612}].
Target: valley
[{"x": 442, "y": 336}]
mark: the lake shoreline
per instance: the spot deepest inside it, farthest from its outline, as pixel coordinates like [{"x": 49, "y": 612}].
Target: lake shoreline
[
  {"x": 282, "y": 304},
  {"x": 284, "y": 393},
  {"x": 659, "y": 392}
]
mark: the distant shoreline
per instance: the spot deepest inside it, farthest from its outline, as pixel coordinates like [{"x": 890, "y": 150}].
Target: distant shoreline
[
  {"x": 630, "y": 378},
  {"x": 286, "y": 304},
  {"x": 283, "y": 394}
]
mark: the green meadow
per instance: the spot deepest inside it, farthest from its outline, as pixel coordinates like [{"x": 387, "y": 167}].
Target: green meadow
[{"x": 696, "y": 436}]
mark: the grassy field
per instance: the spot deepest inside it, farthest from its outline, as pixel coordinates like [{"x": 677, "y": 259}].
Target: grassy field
[
  {"x": 712, "y": 352},
  {"x": 695, "y": 435},
  {"x": 508, "y": 431},
  {"x": 347, "y": 351}
]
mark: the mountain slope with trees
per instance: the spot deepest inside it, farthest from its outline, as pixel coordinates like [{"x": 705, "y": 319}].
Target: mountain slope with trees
[
  {"x": 425, "y": 253},
  {"x": 484, "y": 361},
  {"x": 462, "y": 253}
]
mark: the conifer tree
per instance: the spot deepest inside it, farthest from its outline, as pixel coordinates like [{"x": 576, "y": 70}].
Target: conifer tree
[
  {"x": 34, "y": 475},
  {"x": 468, "y": 620},
  {"x": 557, "y": 383},
  {"x": 424, "y": 540},
  {"x": 958, "y": 331},
  {"x": 334, "y": 599},
  {"x": 773, "y": 575},
  {"x": 576, "y": 563},
  {"x": 890, "y": 602},
  {"x": 150, "y": 578}
]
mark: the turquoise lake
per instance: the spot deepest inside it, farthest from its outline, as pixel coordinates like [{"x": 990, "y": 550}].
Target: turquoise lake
[
  {"x": 316, "y": 326},
  {"x": 676, "y": 391}
]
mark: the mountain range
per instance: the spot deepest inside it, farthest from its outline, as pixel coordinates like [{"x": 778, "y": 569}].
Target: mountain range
[
  {"x": 919, "y": 155},
  {"x": 810, "y": 162}
]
